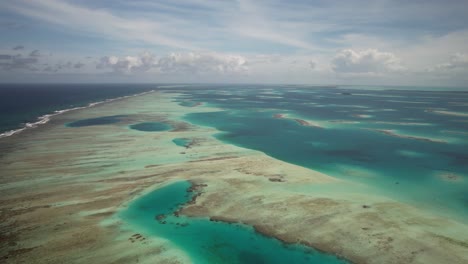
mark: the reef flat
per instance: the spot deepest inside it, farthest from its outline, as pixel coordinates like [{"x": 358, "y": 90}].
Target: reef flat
[{"x": 63, "y": 188}]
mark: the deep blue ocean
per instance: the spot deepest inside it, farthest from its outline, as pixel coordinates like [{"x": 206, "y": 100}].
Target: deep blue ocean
[{"x": 25, "y": 103}]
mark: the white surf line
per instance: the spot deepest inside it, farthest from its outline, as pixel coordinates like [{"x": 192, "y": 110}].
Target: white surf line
[{"x": 46, "y": 118}]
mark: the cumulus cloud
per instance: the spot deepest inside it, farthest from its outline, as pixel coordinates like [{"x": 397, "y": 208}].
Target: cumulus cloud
[
  {"x": 458, "y": 61},
  {"x": 128, "y": 64},
  {"x": 200, "y": 63},
  {"x": 18, "y": 47},
  {"x": 176, "y": 63},
  {"x": 370, "y": 61}
]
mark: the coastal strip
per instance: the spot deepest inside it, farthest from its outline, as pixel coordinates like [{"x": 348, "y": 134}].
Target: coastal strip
[{"x": 46, "y": 118}]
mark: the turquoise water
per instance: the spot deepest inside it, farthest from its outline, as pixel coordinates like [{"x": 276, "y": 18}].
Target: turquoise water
[
  {"x": 349, "y": 144},
  {"x": 183, "y": 142},
  {"x": 151, "y": 126},
  {"x": 187, "y": 103},
  {"x": 211, "y": 242},
  {"x": 105, "y": 120}
]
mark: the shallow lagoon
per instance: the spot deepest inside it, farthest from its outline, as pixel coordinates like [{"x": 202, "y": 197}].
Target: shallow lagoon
[
  {"x": 206, "y": 241},
  {"x": 104, "y": 120},
  {"x": 182, "y": 142},
  {"x": 372, "y": 150},
  {"x": 151, "y": 127}
]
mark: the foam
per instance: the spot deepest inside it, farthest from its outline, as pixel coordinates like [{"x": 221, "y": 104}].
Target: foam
[{"x": 44, "y": 119}]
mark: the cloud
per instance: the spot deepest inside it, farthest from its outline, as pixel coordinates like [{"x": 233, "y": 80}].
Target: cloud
[
  {"x": 370, "y": 61},
  {"x": 201, "y": 63},
  {"x": 78, "y": 65},
  {"x": 259, "y": 20},
  {"x": 35, "y": 53},
  {"x": 14, "y": 62},
  {"x": 50, "y": 69},
  {"x": 176, "y": 63},
  {"x": 67, "y": 66},
  {"x": 128, "y": 64},
  {"x": 264, "y": 59},
  {"x": 32, "y": 61},
  {"x": 459, "y": 61},
  {"x": 101, "y": 22},
  {"x": 181, "y": 25}
]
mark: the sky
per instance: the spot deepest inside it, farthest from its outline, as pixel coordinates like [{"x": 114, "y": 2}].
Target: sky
[{"x": 423, "y": 43}]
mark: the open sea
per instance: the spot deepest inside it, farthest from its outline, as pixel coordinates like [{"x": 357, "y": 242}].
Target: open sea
[{"x": 27, "y": 105}]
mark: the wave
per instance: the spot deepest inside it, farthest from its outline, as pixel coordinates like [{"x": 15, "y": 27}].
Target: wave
[{"x": 46, "y": 118}]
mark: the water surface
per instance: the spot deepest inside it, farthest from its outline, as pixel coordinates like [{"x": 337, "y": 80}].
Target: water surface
[
  {"x": 211, "y": 242},
  {"x": 98, "y": 121},
  {"x": 151, "y": 127},
  {"x": 25, "y": 103},
  {"x": 409, "y": 145},
  {"x": 182, "y": 142}
]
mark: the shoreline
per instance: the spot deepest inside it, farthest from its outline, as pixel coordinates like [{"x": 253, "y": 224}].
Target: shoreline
[{"x": 44, "y": 119}]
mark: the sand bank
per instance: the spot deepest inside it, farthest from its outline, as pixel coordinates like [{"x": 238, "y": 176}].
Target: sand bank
[
  {"x": 300, "y": 121},
  {"x": 394, "y": 133},
  {"x": 449, "y": 113}
]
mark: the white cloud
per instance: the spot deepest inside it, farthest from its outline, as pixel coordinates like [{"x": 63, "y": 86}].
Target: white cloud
[
  {"x": 201, "y": 63},
  {"x": 177, "y": 63},
  {"x": 128, "y": 64},
  {"x": 433, "y": 50},
  {"x": 97, "y": 22},
  {"x": 264, "y": 59},
  {"x": 370, "y": 61},
  {"x": 158, "y": 23},
  {"x": 457, "y": 62},
  {"x": 254, "y": 20}
]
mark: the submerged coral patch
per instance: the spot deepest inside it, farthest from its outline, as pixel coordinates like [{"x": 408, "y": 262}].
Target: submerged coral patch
[
  {"x": 104, "y": 120},
  {"x": 151, "y": 126},
  {"x": 183, "y": 142}
]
